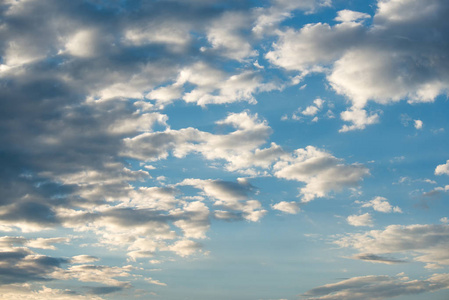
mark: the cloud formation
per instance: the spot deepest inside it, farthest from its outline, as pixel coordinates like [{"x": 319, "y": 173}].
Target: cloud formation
[
  {"x": 399, "y": 56},
  {"x": 320, "y": 171},
  {"x": 427, "y": 243},
  {"x": 377, "y": 287}
]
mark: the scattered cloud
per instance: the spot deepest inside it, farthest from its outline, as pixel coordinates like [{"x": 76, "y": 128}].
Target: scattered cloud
[
  {"x": 320, "y": 171},
  {"x": 418, "y": 124},
  {"x": 442, "y": 169},
  {"x": 287, "y": 207},
  {"x": 427, "y": 243},
  {"x": 381, "y": 204},
  {"x": 360, "y": 220},
  {"x": 383, "y": 71},
  {"x": 377, "y": 287}
]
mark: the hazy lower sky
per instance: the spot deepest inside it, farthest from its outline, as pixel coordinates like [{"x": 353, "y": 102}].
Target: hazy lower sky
[{"x": 225, "y": 150}]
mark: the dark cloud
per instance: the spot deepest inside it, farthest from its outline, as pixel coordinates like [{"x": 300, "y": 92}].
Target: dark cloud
[
  {"x": 377, "y": 287},
  {"x": 19, "y": 265},
  {"x": 378, "y": 258},
  {"x": 102, "y": 290}
]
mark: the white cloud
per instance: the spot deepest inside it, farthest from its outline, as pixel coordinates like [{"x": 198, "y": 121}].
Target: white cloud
[
  {"x": 321, "y": 172},
  {"x": 197, "y": 224},
  {"x": 230, "y": 195},
  {"x": 347, "y": 15},
  {"x": 381, "y": 204},
  {"x": 83, "y": 259},
  {"x": 267, "y": 19},
  {"x": 287, "y": 207},
  {"x": 310, "y": 110},
  {"x": 442, "y": 169},
  {"x": 359, "y": 119},
  {"x": 360, "y": 220},
  {"x": 309, "y": 47},
  {"x": 83, "y": 43},
  {"x": 418, "y": 124},
  {"x": 427, "y": 243},
  {"x": 213, "y": 86},
  {"x": 43, "y": 293},
  {"x": 172, "y": 33},
  {"x": 155, "y": 281},
  {"x": 224, "y": 35},
  {"x": 185, "y": 247},
  {"x": 406, "y": 61},
  {"x": 239, "y": 148}
]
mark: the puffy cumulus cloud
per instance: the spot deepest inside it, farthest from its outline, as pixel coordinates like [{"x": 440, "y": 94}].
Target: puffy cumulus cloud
[
  {"x": 287, "y": 207},
  {"x": 233, "y": 196},
  {"x": 399, "y": 56},
  {"x": 309, "y": 48},
  {"x": 381, "y": 204},
  {"x": 267, "y": 19},
  {"x": 442, "y": 169},
  {"x": 347, "y": 15},
  {"x": 197, "y": 223},
  {"x": 212, "y": 86},
  {"x": 240, "y": 148},
  {"x": 157, "y": 198},
  {"x": 418, "y": 124},
  {"x": 427, "y": 243},
  {"x": 185, "y": 247},
  {"x": 360, "y": 220},
  {"x": 377, "y": 287},
  {"x": 359, "y": 119},
  {"x": 320, "y": 171},
  {"x": 225, "y": 36}
]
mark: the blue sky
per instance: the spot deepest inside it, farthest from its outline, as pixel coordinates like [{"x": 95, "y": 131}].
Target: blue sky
[{"x": 206, "y": 149}]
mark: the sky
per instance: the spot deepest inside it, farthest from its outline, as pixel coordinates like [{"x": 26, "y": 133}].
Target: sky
[{"x": 210, "y": 149}]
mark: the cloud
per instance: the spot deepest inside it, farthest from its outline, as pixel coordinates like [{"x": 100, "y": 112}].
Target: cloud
[
  {"x": 42, "y": 293},
  {"x": 378, "y": 287},
  {"x": 267, "y": 19},
  {"x": 224, "y": 35},
  {"x": 360, "y": 220},
  {"x": 377, "y": 258},
  {"x": 381, "y": 204},
  {"x": 308, "y": 48},
  {"x": 185, "y": 247},
  {"x": 233, "y": 196},
  {"x": 442, "y": 169},
  {"x": 212, "y": 86},
  {"x": 350, "y": 16},
  {"x": 287, "y": 207},
  {"x": 359, "y": 119},
  {"x": 397, "y": 57},
  {"x": 320, "y": 171},
  {"x": 418, "y": 124},
  {"x": 427, "y": 243},
  {"x": 155, "y": 281},
  {"x": 21, "y": 265},
  {"x": 240, "y": 148},
  {"x": 82, "y": 259}
]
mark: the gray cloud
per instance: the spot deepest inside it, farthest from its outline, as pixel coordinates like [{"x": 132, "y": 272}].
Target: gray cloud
[
  {"x": 427, "y": 243},
  {"x": 378, "y": 287},
  {"x": 377, "y": 258}
]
